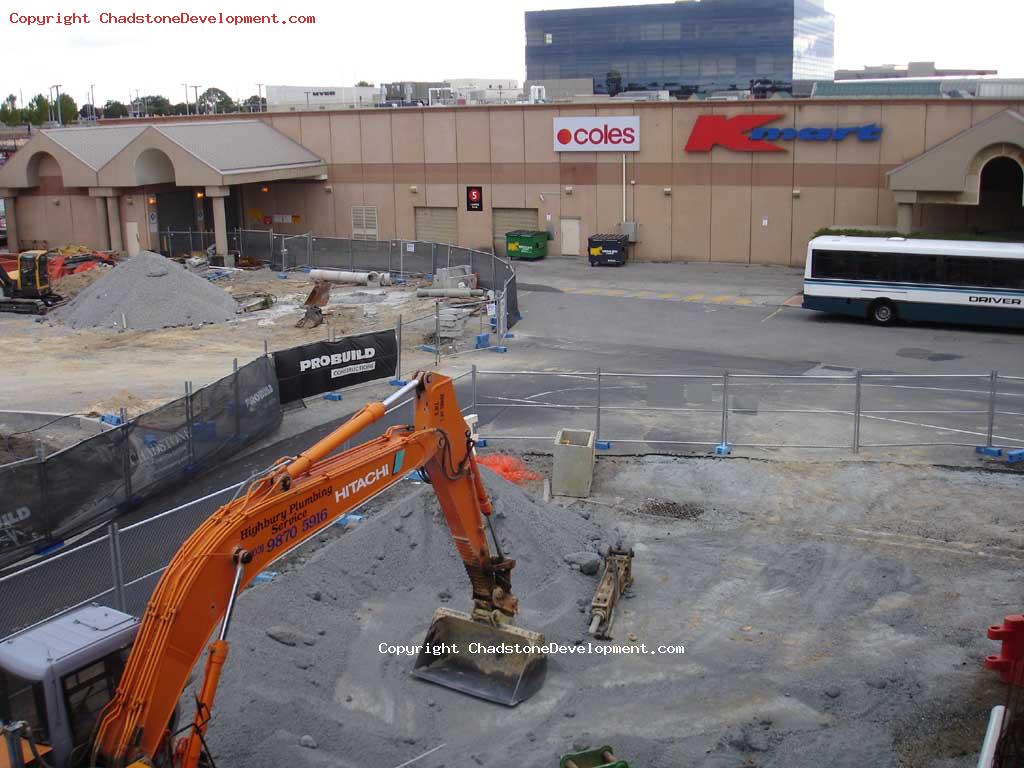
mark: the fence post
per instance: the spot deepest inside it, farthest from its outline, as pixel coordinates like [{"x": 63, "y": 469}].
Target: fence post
[
  {"x": 725, "y": 409},
  {"x": 993, "y": 386},
  {"x": 266, "y": 348},
  {"x": 126, "y": 457},
  {"x": 116, "y": 566},
  {"x": 597, "y": 411},
  {"x": 437, "y": 334},
  {"x": 856, "y": 412},
  {"x": 238, "y": 405},
  {"x": 473, "y": 379},
  {"x": 43, "y": 489},
  {"x": 433, "y": 259},
  {"x": 398, "y": 340},
  {"x": 401, "y": 257},
  {"x": 188, "y": 423},
  {"x": 449, "y": 254},
  {"x": 309, "y": 248}
]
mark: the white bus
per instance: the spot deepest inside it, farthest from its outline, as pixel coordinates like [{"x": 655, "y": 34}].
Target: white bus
[{"x": 895, "y": 278}]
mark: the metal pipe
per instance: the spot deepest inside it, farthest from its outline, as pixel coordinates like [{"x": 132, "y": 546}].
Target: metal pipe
[
  {"x": 116, "y": 572},
  {"x": 342, "y": 276},
  {"x": 241, "y": 558},
  {"x": 450, "y": 293},
  {"x": 996, "y": 720},
  {"x": 725, "y": 407},
  {"x": 398, "y": 339},
  {"x": 856, "y": 415},
  {"x": 992, "y": 389},
  {"x": 410, "y": 386}
]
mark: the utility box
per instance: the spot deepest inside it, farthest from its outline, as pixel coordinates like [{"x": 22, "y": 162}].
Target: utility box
[
  {"x": 526, "y": 244},
  {"x": 607, "y": 250},
  {"x": 573, "y": 469}
]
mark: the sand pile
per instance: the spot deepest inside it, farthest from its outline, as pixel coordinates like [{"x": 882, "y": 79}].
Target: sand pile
[
  {"x": 145, "y": 293},
  {"x": 305, "y": 659}
]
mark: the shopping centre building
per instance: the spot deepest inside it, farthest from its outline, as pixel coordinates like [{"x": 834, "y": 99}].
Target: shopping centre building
[{"x": 746, "y": 182}]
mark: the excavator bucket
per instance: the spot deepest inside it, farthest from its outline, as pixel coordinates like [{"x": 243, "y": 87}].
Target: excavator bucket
[{"x": 500, "y": 664}]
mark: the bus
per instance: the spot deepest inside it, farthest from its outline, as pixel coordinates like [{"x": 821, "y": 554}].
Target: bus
[{"x": 896, "y": 278}]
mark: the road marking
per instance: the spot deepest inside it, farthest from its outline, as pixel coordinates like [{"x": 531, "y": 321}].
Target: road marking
[
  {"x": 694, "y": 297},
  {"x": 721, "y": 299},
  {"x": 773, "y": 314},
  {"x": 744, "y": 302}
]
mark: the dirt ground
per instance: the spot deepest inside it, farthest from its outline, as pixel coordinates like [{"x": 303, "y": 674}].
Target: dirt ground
[
  {"x": 832, "y": 614},
  {"x": 102, "y": 370}
]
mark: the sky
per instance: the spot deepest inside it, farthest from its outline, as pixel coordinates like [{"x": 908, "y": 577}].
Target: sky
[{"x": 414, "y": 40}]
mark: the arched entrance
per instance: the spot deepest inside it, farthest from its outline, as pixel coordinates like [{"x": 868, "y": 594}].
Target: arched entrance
[{"x": 1001, "y": 196}]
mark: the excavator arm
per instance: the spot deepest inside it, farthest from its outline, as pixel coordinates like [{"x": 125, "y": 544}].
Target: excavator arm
[{"x": 287, "y": 506}]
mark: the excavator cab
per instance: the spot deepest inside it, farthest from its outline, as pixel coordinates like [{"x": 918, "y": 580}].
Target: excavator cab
[
  {"x": 27, "y": 290},
  {"x": 56, "y": 678}
]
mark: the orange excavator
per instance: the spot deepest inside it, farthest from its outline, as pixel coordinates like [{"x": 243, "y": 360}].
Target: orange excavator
[{"x": 283, "y": 507}]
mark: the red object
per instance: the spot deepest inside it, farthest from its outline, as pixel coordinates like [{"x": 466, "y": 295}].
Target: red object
[
  {"x": 1008, "y": 662},
  {"x": 730, "y": 132},
  {"x": 509, "y": 467}
]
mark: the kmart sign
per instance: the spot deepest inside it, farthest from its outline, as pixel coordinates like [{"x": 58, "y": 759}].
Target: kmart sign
[{"x": 751, "y": 133}]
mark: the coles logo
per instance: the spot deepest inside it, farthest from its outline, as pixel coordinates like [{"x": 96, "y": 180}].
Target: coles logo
[{"x": 597, "y": 134}]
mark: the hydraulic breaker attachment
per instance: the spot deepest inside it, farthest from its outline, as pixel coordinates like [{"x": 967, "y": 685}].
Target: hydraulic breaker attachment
[{"x": 615, "y": 579}]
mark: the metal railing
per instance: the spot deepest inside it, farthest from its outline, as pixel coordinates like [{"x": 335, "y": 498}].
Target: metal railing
[{"x": 850, "y": 412}]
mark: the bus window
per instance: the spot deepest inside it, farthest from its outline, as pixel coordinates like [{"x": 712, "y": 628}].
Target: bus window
[
  {"x": 1007, "y": 273},
  {"x": 962, "y": 270},
  {"x": 838, "y": 265},
  {"x": 916, "y": 268}
]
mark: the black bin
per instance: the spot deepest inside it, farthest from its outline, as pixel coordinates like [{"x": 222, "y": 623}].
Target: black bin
[{"x": 607, "y": 250}]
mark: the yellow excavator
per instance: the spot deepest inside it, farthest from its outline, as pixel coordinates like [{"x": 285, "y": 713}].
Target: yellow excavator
[
  {"x": 27, "y": 289},
  {"x": 108, "y": 694}
]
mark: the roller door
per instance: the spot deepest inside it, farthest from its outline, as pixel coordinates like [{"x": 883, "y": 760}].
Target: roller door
[
  {"x": 509, "y": 220},
  {"x": 437, "y": 225}
]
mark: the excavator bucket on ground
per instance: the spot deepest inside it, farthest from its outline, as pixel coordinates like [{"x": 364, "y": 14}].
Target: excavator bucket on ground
[{"x": 503, "y": 664}]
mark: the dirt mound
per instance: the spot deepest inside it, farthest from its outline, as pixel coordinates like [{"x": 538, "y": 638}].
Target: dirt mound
[{"x": 145, "y": 293}]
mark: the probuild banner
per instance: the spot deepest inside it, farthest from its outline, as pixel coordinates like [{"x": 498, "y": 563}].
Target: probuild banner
[{"x": 328, "y": 365}]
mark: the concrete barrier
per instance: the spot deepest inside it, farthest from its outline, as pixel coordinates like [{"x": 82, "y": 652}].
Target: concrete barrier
[{"x": 574, "y": 463}]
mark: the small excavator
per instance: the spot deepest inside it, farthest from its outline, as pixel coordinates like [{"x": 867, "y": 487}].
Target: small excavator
[
  {"x": 28, "y": 292},
  {"x": 57, "y": 680}
]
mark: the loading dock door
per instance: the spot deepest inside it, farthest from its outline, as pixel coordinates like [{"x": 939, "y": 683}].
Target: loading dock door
[
  {"x": 437, "y": 225},
  {"x": 510, "y": 219}
]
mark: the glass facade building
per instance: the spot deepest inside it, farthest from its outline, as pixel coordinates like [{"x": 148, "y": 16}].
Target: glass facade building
[{"x": 684, "y": 47}]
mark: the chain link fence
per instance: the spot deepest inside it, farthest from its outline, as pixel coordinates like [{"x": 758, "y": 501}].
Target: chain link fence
[{"x": 652, "y": 412}]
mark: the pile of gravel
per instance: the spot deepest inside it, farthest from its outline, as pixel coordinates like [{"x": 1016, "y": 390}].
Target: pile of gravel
[
  {"x": 305, "y": 659},
  {"x": 145, "y": 293}
]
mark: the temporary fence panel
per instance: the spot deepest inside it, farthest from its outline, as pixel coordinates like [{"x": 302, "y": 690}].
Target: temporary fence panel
[
  {"x": 1008, "y": 411},
  {"x": 323, "y": 366},
  {"x": 23, "y": 520},
  {"x": 257, "y": 244}
]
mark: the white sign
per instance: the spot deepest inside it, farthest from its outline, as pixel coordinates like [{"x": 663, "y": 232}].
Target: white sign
[{"x": 596, "y": 134}]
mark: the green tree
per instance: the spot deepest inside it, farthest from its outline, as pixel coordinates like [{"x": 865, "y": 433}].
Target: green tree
[
  {"x": 216, "y": 100},
  {"x": 181, "y": 108},
  {"x": 114, "y": 109},
  {"x": 9, "y": 112},
  {"x": 364, "y": 84},
  {"x": 38, "y": 110},
  {"x": 255, "y": 104},
  {"x": 68, "y": 109}
]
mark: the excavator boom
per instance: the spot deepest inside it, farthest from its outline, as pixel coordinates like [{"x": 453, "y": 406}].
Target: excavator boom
[{"x": 286, "y": 507}]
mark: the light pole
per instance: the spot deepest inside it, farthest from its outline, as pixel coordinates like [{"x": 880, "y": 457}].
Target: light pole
[
  {"x": 92, "y": 99},
  {"x": 60, "y": 121},
  {"x": 186, "y": 98},
  {"x": 196, "y": 88}
]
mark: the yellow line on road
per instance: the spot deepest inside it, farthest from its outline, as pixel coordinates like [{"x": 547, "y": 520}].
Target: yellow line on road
[{"x": 773, "y": 314}]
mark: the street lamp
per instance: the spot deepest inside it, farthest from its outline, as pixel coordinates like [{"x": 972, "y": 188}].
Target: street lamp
[
  {"x": 259, "y": 95},
  {"x": 60, "y": 121}
]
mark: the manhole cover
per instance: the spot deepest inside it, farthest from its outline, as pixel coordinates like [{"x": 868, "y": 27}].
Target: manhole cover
[{"x": 664, "y": 508}]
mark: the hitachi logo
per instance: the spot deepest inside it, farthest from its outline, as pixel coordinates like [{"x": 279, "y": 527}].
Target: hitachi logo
[
  {"x": 365, "y": 481},
  {"x": 326, "y": 361}
]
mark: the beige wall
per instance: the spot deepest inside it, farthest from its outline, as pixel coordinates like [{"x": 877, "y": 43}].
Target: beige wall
[{"x": 721, "y": 206}]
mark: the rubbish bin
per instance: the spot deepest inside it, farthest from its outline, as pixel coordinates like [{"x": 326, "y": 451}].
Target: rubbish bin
[
  {"x": 526, "y": 244},
  {"x": 607, "y": 250},
  {"x": 573, "y": 467}
]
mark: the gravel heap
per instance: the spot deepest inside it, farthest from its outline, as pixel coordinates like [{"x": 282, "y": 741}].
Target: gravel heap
[
  {"x": 306, "y": 684},
  {"x": 145, "y": 293}
]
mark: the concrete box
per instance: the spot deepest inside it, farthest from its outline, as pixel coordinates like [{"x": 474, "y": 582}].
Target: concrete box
[{"x": 574, "y": 463}]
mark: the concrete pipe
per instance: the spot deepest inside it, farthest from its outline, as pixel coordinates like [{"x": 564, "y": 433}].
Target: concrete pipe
[
  {"x": 339, "y": 276},
  {"x": 450, "y": 293}
]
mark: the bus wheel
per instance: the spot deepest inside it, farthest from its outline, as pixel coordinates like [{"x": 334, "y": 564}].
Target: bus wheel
[{"x": 882, "y": 312}]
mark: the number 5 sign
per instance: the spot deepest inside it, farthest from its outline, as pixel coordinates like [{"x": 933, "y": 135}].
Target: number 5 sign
[{"x": 474, "y": 198}]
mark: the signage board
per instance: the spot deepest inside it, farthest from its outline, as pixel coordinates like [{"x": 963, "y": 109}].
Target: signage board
[
  {"x": 325, "y": 366},
  {"x": 474, "y": 198},
  {"x": 596, "y": 134},
  {"x": 750, "y": 133}
]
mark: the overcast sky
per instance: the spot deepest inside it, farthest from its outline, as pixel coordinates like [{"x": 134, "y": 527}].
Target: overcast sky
[{"x": 385, "y": 40}]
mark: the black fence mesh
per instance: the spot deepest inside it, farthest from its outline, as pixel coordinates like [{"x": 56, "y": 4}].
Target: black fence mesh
[{"x": 93, "y": 481}]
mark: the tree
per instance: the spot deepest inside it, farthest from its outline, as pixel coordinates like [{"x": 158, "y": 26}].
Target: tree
[
  {"x": 85, "y": 112},
  {"x": 613, "y": 81},
  {"x": 68, "y": 109},
  {"x": 216, "y": 100},
  {"x": 115, "y": 109},
  {"x": 181, "y": 108},
  {"x": 155, "y": 105},
  {"x": 364, "y": 84},
  {"x": 9, "y": 112},
  {"x": 255, "y": 104},
  {"x": 38, "y": 110}
]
